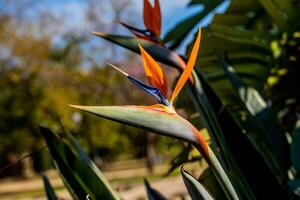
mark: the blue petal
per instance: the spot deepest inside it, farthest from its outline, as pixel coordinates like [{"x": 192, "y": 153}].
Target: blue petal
[{"x": 151, "y": 90}]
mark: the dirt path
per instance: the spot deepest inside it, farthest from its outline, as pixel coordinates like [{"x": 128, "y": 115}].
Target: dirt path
[
  {"x": 172, "y": 187},
  {"x": 128, "y": 183}
]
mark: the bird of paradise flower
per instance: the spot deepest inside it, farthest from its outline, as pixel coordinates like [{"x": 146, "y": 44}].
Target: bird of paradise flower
[
  {"x": 158, "y": 88},
  {"x": 162, "y": 118},
  {"x": 152, "y": 21}
]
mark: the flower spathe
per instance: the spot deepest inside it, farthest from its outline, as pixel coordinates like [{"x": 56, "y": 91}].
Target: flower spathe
[
  {"x": 152, "y": 22},
  {"x": 161, "y": 118}
]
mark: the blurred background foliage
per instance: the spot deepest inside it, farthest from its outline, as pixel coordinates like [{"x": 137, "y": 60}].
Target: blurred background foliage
[{"x": 45, "y": 64}]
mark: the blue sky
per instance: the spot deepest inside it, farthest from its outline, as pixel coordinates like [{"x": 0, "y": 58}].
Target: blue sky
[
  {"x": 72, "y": 15},
  {"x": 172, "y": 11}
]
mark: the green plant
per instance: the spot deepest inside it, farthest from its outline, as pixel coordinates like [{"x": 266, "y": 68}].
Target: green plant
[{"x": 241, "y": 51}]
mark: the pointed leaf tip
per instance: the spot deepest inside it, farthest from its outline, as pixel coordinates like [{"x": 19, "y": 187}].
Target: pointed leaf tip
[
  {"x": 154, "y": 72},
  {"x": 195, "y": 189},
  {"x": 189, "y": 68},
  {"x": 160, "y": 53},
  {"x": 76, "y": 106},
  {"x": 50, "y": 193},
  {"x": 73, "y": 106},
  {"x": 90, "y": 182},
  {"x": 98, "y": 33},
  {"x": 152, "y": 193}
]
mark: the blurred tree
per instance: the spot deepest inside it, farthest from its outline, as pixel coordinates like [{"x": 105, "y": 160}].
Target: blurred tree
[{"x": 43, "y": 68}]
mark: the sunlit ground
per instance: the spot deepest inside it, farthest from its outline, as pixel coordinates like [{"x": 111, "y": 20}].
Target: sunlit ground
[{"x": 126, "y": 178}]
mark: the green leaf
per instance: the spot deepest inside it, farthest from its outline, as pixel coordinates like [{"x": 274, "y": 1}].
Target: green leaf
[
  {"x": 252, "y": 99},
  {"x": 152, "y": 193},
  {"x": 237, "y": 13},
  {"x": 284, "y": 13},
  {"x": 48, "y": 188},
  {"x": 79, "y": 173},
  {"x": 210, "y": 119},
  {"x": 176, "y": 35},
  {"x": 210, "y": 182},
  {"x": 195, "y": 189},
  {"x": 216, "y": 42},
  {"x": 158, "y": 52},
  {"x": 291, "y": 10},
  {"x": 258, "y": 43},
  {"x": 231, "y": 19},
  {"x": 269, "y": 139},
  {"x": 171, "y": 125},
  {"x": 252, "y": 165},
  {"x": 237, "y": 6},
  {"x": 295, "y": 187},
  {"x": 295, "y": 147},
  {"x": 163, "y": 123},
  {"x": 258, "y": 37},
  {"x": 183, "y": 157},
  {"x": 237, "y": 57},
  {"x": 249, "y": 50},
  {"x": 207, "y": 3},
  {"x": 221, "y": 176},
  {"x": 279, "y": 16}
]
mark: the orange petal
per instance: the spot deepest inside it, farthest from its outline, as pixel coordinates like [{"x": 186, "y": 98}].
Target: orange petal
[
  {"x": 157, "y": 18},
  {"x": 152, "y": 17},
  {"x": 147, "y": 14},
  {"x": 188, "y": 70},
  {"x": 154, "y": 72},
  {"x": 160, "y": 108}
]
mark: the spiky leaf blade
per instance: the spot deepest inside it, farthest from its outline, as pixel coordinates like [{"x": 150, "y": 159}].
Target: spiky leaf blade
[
  {"x": 196, "y": 190},
  {"x": 79, "y": 173},
  {"x": 158, "y": 52},
  {"x": 50, "y": 193},
  {"x": 152, "y": 193},
  {"x": 157, "y": 120},
  {"x": 154, "y": 120}
]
